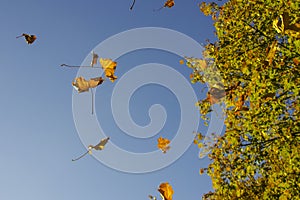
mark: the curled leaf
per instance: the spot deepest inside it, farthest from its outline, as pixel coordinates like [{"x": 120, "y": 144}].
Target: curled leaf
[
  {"x": 94, "y": 59},
  {"x": 166, "y": 191},
  {"x": 99, "y": 146},
  {"x": 109, "y": 68},
  {"x": 29, "y": 38},
  {"x": 82, "y": 85},
  {"x": 168, "y": 3}
]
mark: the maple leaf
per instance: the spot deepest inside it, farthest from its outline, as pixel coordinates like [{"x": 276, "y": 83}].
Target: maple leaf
[
  {"x": 163, "y": 144},
  {"x": 166, "y": 191},
  {"x": 29, "y": 38},
  {"x": 99, "y": 146},
  {"x": 109, "y": 68}
]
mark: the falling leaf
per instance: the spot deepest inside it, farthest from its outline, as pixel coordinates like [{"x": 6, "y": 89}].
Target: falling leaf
[
  {"x": 181, "y": 62},
  {"x": 95, "y": 59},
  {"x": 29, "y": 38},
  {"x": 201, "y": 171},
  {"x": 131, "y": 7},
  {"x": 99, "y": 146},
  {"x": 168, "y": 3},
  {"x": 163, "y": 144},
  {"x": 109, "y": 67},
  {"x": 82, "y": 85},
  {"x": 166, "y": 191}
]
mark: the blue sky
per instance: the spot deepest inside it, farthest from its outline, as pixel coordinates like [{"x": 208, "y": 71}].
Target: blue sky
[{"x": 38, "y": 133}]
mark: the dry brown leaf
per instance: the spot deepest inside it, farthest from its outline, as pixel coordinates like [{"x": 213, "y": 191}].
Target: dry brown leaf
[
  {"x": 29, "y": 38},
  {"x": 82, "y": 85}
]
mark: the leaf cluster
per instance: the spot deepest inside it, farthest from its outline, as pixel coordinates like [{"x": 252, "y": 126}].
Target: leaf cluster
[{"x": 257, "y": 58}]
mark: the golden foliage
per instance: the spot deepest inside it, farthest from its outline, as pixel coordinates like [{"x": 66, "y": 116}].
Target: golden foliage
[
  {"x": 109, "y": 67},
  {"x": 82, "y": 85},
  {"x": 166, "y": 191},
  {"x": 163, "y": 144}
]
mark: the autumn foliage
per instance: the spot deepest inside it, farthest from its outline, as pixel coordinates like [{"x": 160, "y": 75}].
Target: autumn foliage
[{"x": 257, "y": 57}]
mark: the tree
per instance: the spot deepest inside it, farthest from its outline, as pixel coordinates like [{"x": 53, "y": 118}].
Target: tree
[{"x": 257, "y": 55}]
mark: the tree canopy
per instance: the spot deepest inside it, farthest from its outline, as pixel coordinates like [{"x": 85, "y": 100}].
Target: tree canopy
[{"x": 257, "y": 56}]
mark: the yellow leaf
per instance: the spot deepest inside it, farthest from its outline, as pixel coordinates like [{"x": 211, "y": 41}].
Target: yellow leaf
[
  {"x": 181, "y": 62},
  {"x": 166, "y": 191},
  {"x": 101, "y": 144},
  {"x": 283, "y": 25},
  {"x": 163, "y": 144},
  {"x": 109, "y": 67},
  {"x": 278, "y": 25},
  {"x": 272, "y": 51},
  {"x": 82, "y": 85}
]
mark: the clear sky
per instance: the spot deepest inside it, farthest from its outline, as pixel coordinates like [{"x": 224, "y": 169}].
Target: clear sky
[{"x": 38, "y": 132}]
